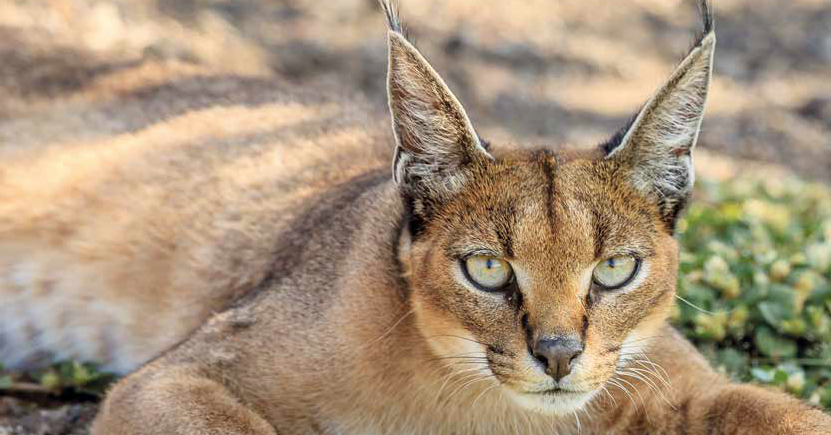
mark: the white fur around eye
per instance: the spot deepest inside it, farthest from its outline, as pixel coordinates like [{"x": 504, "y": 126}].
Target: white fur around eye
[
  {"x": 490, "y": 273},
  {"x": 616, "y": 271}
]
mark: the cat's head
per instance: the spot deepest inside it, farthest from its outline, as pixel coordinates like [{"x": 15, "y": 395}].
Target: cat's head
[{"x": 542, "y": 270}]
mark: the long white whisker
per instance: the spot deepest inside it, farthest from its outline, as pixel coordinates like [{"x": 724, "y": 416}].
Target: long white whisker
[
  {"x": 638, "y": 392},
  {"x": 468, "y": 384},
  {"x": 473, "y": 405},
  {"x": 652, "y": 372},
  {"x": 625, "y": 390},
  {"x": 695, "y": 306},
  {"x": 455, "y": 375},
  {"x": 652, "y": 386},
  {"x": 606, "y": 390},
  {"x": 658, "y": 390},
  {"x": 385, "y": 334},
  {"x": 639, "y": 376},
  {"x": 646, "y": 359},
  {"x": 455, "y": 363}
]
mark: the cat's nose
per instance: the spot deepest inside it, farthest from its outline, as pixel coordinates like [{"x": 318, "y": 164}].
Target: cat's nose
[{"x": 557, "y": 354}]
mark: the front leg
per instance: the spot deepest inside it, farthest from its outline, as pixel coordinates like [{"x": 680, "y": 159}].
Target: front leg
[
  {"x": 746, "y": 409},
  {"x": 179, "y": 401},
  {"x": 695, "y": 400}
]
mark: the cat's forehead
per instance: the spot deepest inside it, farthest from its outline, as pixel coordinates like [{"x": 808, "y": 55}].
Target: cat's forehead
[
  {"x": 569, "y": 202},
  {"x": 529, "y": 177}
]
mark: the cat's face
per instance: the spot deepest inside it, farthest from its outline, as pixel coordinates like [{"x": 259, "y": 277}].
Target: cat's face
[
  {"x": 541, "y": 272},
  {"x": 538, "y": 248}
]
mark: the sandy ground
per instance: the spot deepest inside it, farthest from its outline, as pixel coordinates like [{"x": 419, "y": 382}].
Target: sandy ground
[{"x": 536, "y": 72}]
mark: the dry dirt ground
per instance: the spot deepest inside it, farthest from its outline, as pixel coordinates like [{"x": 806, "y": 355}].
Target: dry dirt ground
[{"x": 536, "y": 72}]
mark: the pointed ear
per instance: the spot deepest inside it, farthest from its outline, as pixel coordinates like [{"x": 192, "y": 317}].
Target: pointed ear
[
  {"x": 657, "y": 146},
  {"x": 435, "y": 141}
]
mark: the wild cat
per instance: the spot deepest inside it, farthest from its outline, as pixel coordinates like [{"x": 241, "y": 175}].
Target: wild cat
[{"x": 258, "y": 253}]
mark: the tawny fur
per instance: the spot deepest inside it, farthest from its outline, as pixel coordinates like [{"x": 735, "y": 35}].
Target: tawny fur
[{"x": 246, "y": 249}]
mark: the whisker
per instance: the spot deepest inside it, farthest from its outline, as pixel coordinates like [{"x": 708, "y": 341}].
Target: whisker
[
  {"x": 467, "y": 358},
  {"x": 459, "y": 337},
  {"x": 696, "y": 306},
  {"x": 664, "y": 381},
  {"x": 454, "y": 364},
  {"x": 652, "y": 386},
  {"x": 631, "y": 342},
  {"x": 394, "y": 325},
  {"x": 613, "y": 382},
  {"x": 646, "y": 359},
  {"x": 606, "y": 390},
  {"x": 647, "y": 371},
  {"x": 473, "y": 405},
  {"x": 468, "y": 384},
  {"x": 454, "y": 385},
  {"x": 452, "y": 375},
  {"x": 638, "y": 392}
]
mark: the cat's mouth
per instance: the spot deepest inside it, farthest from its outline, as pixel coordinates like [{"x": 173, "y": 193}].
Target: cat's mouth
[
  {"x": 553, "y": 400},
  {"x": 557, "y": 391}
]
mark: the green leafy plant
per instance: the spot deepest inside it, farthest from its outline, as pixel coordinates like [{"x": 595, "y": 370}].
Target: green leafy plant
[
  {"x": 63, "y": 378},
  {"x": 755, "y": 282}
]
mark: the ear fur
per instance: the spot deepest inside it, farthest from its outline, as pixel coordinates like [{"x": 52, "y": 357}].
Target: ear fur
[
  {"x": 435, "y": 140},
  {"x": 657, "y": 145}
]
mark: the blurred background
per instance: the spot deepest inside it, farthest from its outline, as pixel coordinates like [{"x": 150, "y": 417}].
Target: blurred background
[
  {"x": 535, "y": 72},
  {"x": 757, "y": 261}
]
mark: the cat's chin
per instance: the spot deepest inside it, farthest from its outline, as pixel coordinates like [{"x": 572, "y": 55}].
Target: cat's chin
[{"x": 559, "y": 403}]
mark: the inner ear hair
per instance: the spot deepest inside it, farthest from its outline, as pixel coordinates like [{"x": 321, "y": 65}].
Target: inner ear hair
[
  {"x": 433, "y": 134},
  {"x": 436, "y": 146}
]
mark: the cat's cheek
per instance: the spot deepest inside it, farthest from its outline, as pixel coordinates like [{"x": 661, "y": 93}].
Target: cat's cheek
[{"x": 444, "y": 334}]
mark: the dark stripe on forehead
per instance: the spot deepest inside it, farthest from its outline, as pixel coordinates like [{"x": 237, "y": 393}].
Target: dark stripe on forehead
[
  {"x": 545, "y": 157},
  {"x": 601, "y": 232},
  {"x": 505, "y": 228}
]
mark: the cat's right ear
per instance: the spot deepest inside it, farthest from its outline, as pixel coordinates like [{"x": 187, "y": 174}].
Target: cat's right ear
[{"x": 435, "y": 141}]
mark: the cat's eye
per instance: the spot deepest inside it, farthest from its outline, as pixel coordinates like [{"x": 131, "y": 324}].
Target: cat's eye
[
  {"x": 487, "y": 273},
  {"x": 615, "y": 272}
]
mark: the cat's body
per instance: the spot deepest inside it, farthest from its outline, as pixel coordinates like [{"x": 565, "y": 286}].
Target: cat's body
[
  {"x": 330, "y": 305},
  {"x": 151, "y": 232}
]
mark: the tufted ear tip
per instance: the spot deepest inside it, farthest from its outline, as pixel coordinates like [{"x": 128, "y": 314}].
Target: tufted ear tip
[
  {"x": 656, "y": 146},
  {"x": 390, "y": 9},
  {"x": 434, "y": 137}
]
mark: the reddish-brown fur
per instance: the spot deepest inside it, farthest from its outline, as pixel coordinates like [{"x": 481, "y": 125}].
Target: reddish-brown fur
[{"x": 257, "y": 250}]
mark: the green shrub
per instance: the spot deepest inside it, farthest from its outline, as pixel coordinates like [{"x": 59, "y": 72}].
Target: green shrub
[
  {"x": 61, "y": 378},
  {"x": 755, "y": 282}
]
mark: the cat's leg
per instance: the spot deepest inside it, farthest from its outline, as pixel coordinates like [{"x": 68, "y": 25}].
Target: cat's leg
[
  {"x": 676, "y": 392},
  {"x": 180, "y": 401},
  {"x": 746, "y": 409}
]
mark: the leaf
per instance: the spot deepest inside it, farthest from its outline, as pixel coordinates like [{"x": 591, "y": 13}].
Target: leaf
[
  {"x": 762, "y": 374},
  {"x": 773, "y": 313},
  {"x": 774, "y": 346},
  {"x": 5, "y": 382}
]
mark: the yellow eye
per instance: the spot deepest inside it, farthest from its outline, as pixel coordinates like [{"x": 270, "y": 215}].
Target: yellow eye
[
  {"x": 487, "y": 273},
  {"x": 615, "y": 272}
]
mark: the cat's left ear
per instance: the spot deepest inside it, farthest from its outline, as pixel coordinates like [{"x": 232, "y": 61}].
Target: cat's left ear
[{"x": 657, "y": 146}]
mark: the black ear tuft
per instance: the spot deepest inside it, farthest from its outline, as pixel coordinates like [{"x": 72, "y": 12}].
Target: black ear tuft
[
  {"x": 390, "y": 9},
  {"x": 707, "y": 16}
]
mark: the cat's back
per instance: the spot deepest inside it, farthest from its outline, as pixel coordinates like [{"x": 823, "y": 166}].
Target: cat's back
[{"x": 133, "y": 207}]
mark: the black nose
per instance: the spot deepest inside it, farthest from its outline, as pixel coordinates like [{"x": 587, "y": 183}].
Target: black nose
[{"x": 557, "y": 354}]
